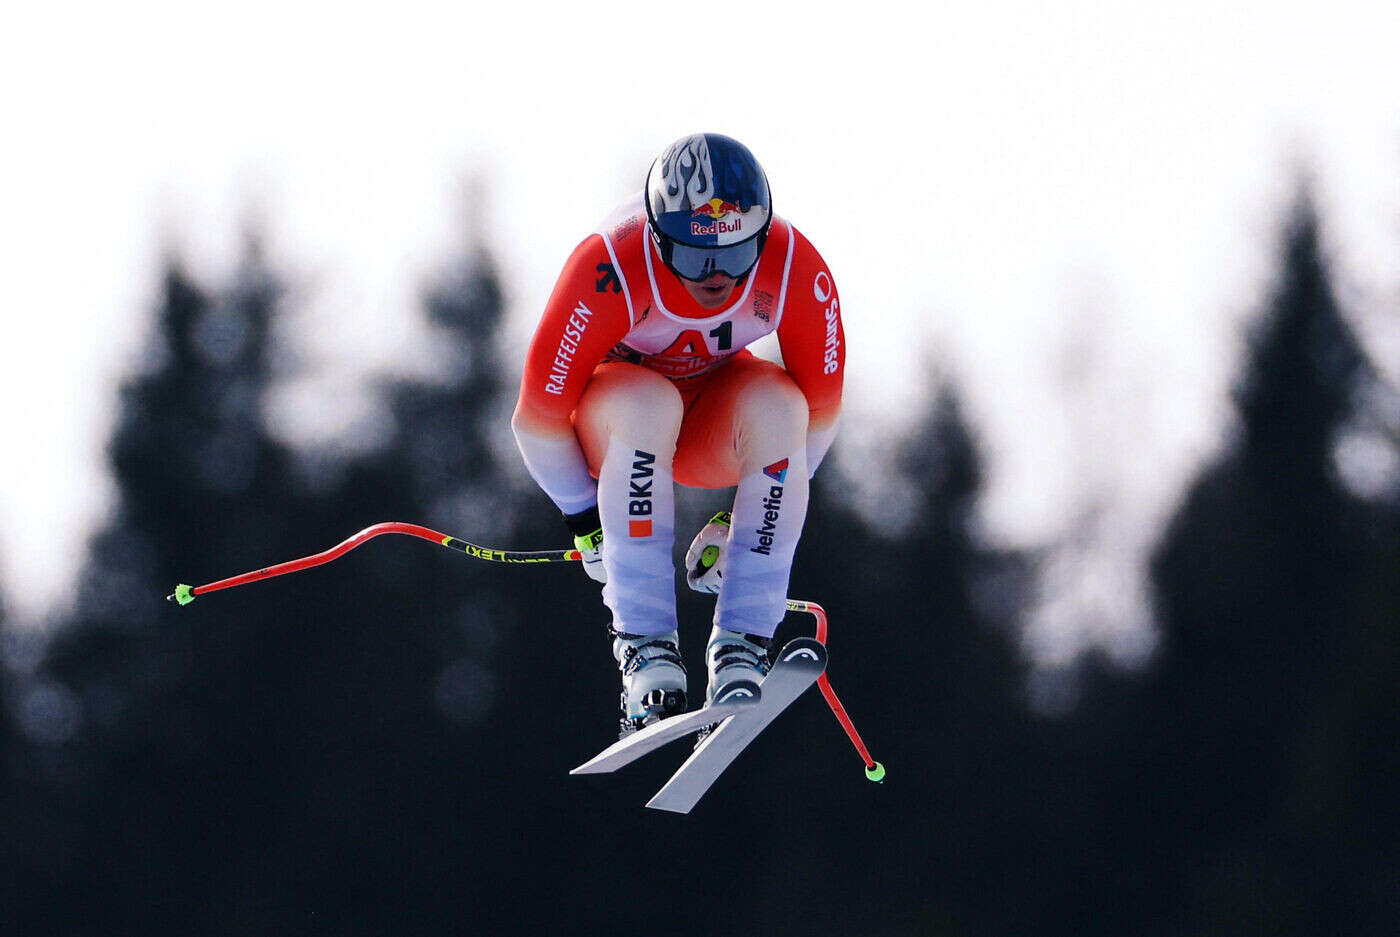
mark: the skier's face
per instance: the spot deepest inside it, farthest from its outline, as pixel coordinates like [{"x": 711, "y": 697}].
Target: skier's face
[{"x": 713, "y": 291}]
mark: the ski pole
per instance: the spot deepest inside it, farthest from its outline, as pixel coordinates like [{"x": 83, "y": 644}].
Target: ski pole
[
  {"x": 185, "y": 594},
  {"x": 873, "y": 769}
]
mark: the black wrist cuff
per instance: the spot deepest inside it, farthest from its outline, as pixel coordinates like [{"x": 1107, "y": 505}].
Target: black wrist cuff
[{"x": 584, "y": 522}]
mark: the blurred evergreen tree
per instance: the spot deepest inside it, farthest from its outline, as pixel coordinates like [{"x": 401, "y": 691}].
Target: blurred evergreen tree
[
  {"x": 165, "y": 774},
  {"x": 435, "y": 689},
  {"x": 10, "y": 754},
  {"x": 924, "y": 653},
  {"x": 1262, "y": 717},
  {"x": 38, "y": 716},
  {"x": 12, "y": 766},
  {"x": 380, "y": 745},
  {"x": 229, "y": 747},
  {"x": 961, "y": 600},
  {"x": 7, "y": 736}
]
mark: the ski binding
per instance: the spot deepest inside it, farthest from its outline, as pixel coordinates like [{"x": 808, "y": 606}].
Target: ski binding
[{"x": 743, "y": 710}]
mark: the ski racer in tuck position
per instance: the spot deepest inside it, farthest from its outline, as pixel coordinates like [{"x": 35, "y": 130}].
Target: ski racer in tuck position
[{"x": 638, "y": 378}]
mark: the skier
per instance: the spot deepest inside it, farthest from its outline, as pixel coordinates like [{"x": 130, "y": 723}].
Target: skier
[{"x": 638, "y": 377}]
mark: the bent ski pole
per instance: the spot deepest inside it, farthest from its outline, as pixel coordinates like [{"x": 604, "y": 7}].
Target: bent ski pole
[
  {"x": 185, "y": 594},
  {"x": 873, "y": 769}
]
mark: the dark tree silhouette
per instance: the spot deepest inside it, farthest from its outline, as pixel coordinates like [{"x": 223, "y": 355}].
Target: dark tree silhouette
[
  {"x": 167, "y": 769},
  {"x": 381, "y": 745},
  {"x": 923, "y": 650},
  {"x": 231, "y": 745},
  {"x": 430, "y": 649},
  {"x": 1268, "y": 601}
]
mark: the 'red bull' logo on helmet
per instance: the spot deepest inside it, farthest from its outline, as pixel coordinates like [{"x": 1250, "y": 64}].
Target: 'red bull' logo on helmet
[
  {"x": 716, "y": 209},
  {"x": 717, "y": 227}
]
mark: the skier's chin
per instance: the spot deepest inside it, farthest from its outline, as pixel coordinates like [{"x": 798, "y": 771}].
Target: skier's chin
[{"x": 713, "y": 291}]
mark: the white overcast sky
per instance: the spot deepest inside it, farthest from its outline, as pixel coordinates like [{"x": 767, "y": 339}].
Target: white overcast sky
[{"x": 1070, "y": 207}]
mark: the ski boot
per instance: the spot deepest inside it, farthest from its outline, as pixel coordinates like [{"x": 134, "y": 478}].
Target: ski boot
[
  {"x": 653, "y": 678},
  {"x": 732, "y": 656}
]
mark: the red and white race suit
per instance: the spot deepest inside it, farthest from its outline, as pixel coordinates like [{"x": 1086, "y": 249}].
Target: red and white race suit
[{"x": 617, "y": 308}]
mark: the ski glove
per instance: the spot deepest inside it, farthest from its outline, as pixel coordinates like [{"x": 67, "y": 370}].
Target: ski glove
[
  {"x": 704, "y": 561},
  {"x": 588, "y": 540}
]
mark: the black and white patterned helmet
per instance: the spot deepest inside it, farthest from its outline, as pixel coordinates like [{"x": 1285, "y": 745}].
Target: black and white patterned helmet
[{"x": 709, "y": 206}]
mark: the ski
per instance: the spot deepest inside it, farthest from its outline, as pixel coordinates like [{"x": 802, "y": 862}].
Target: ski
[
  {"x": 797, "y": 667},
  {"x": 738, "y": 696}
]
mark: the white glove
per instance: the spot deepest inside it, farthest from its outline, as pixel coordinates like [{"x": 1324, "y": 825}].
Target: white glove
[
  {"x": 588, "y": 540},
  {"x": 704, "y": 561}
]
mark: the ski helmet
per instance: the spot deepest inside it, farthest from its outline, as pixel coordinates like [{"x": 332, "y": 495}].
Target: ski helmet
[{"x": 708, "y": 206}]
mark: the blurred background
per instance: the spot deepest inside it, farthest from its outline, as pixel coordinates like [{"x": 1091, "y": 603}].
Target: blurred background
[{"x": 1110, "y": 540}]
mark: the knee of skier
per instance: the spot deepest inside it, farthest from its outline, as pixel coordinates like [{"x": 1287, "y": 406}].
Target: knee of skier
[
  {"x": 772, "y": 422},
  {"x": 630, "y": 403}
]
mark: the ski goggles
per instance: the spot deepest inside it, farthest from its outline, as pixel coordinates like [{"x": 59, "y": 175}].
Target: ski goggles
[{"x": 701, "y": 263}]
